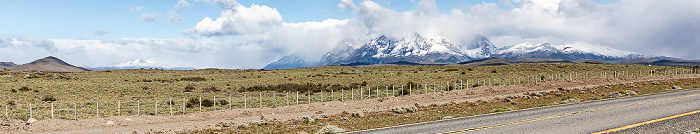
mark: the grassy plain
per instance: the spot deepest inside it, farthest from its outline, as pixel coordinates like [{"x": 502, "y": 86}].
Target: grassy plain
[{"x": 128, "y": 88}]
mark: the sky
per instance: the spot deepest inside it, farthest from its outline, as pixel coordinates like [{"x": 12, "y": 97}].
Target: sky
[{"x": 250, "y": 34}]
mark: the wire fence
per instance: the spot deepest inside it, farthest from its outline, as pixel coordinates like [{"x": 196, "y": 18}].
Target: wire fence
[{"x": 168, "y": 106}]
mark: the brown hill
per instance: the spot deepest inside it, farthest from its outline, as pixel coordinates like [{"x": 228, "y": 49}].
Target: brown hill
[
  {"x": 48, "y": 64},
  {"x": 7, "y": 64}
]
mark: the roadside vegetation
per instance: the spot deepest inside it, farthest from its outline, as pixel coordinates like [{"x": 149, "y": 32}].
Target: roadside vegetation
[
  {"x": 128, "y": 89},
  {"x": 349, "y": 121}
]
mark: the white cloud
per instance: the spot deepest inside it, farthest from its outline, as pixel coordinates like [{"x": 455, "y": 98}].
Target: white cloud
[
  {"x": 100, "y": 32},
  {"x": 149, "y": 17},
  {"x": 181, "y": 4},
  {"x": 239, "y": 20},
  {"x": 137, "y": 8},
  {"x": 313, "y": 39},
  {"x": 227, "y": 4},
  {"x": 176, "y": 18}
]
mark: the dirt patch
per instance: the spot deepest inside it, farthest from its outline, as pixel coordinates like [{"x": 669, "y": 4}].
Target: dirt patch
[{"x": 193, "y": 121}]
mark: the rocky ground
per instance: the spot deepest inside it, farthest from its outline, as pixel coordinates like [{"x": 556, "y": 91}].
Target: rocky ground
[{"x": 193, "y": 121}]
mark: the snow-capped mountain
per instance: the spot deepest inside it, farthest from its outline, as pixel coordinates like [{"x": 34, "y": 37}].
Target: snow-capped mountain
[
  {"x": 411, "y": 48},
  {"x": 575, "y": 51},
  {"x": 140, "y": 63},
  {"x": 290, "y": 61},
  {"x": 418, "y": 48}
]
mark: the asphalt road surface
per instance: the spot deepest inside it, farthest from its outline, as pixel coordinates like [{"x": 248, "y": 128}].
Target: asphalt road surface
[{"x": 587, "y": 117}]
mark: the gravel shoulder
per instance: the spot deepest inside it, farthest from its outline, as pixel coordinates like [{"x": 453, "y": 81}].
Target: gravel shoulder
[{"x": 194, "y": 121}]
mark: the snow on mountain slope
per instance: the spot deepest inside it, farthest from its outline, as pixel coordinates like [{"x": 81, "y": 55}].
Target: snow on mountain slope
[
  {"x": 140, "y": 63},
  {"x": 589, "y": 48},
  {"x": 412, "y": 48}
]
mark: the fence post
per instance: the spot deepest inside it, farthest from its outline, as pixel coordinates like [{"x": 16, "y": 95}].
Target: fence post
[
  {"x": 75, "y": 110},
  {"x": 51, "y": 110},
  {"x": 287, "y": 98},
  {"x": 214, "y": 103},
  {"x": 245, "y": 101},
  {"x": 410, "y": 91},
  {"x": 369, "y": 93},
  {"x": 200, "y": 104},
  {"x": 297, "y": 97},
  {"x": 170, "y": 104},
  {"x": 393, "y": 90},
  {"x": 229, "y": 102},
  {"x": 98, "y": 109},
  {"x": 183, "y": 105},
  {"x": 119, "y": 108},
  {"x": 30, "y": 111},
  {"x": 156, "y": 111},
  {"x": 332, "y": 92},
  {"x": 352, "y": 94},
  {"x": 401, "y": 89},
  {"x": 274, "y": 100},
  {"x": 138, "y": 107},
  {"x": 6, "y": 115},
  {"x": 377, "y": 92},
  {"x": 260, "y": 100},
  {"x": 387, "y": 91},
  {"x": 361, "y": 94}
]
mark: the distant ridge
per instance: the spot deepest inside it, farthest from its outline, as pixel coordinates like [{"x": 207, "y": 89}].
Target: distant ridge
[
  {"x": 48, "y": 64},
  {"x": 7, "y": 65}
]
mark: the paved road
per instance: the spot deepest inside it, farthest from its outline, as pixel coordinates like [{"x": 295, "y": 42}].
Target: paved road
[{"x": 586, "y": 117}]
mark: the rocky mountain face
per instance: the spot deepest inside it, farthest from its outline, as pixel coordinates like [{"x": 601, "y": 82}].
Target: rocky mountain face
[
  {"x": 289, "y": 62},
  {"x": 415, "y": 48},
  {"x": 430, "y": 49}
]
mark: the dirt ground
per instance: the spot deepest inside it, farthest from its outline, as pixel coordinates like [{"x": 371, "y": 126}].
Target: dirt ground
[{"x": 192, "y": 121}]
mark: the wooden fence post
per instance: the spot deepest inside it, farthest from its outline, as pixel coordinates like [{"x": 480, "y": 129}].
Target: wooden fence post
[
  {"x": 352, "y": 94},
  {"x": 361, "y": 94},
  {"x": 51, "y": 110},
  {"x": 98, "y": 110},
  {"x": 332, "y": 92},
  {"x": 308, "y": 94},
  {"x": 287, "y": 98},
  {"x": 138, "y": 107},
  {"x": 30, "y": 111},
  {"x": 183, "y": 105},
  {"x": 119, "y": 108},
  {"x": 156, "y": 103},
  {"x": 75, "y": 110},
  {"x": 297, "y": 97},
  {"x": 170, "y": 104},
  {"x": 393, "y": 90}
]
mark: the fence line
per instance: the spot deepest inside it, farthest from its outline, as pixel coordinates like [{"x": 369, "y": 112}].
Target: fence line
[{"x": 82, "y": 110}]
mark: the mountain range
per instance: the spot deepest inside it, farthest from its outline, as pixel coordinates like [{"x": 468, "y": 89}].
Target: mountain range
[
  {"x": 141, "y": 64},
  {"x": 435, "y": 49}
]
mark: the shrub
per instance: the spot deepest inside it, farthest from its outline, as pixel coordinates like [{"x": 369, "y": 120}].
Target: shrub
[
  {"x": 189, "y": 88},
  {"x": 211, "y": 89},
  {"x": 196, "y": 79},
  {"x": 194, "y": 102},
  {"x": 48, "y": 98},
  {"x": 25, "y": 88},
  {"x": 222, "y": 102}
]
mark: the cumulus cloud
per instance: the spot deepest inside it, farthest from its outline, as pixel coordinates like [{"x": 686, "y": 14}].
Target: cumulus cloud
[
  {"x": 237, "y": 19},
  {"x": 137, "y": 8},
  {"x": 100, "y": 32},
  {"x": 149, "y": 17}
]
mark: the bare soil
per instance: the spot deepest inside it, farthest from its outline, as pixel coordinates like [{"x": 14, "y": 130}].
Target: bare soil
[{"x": 193, "y": 121}]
